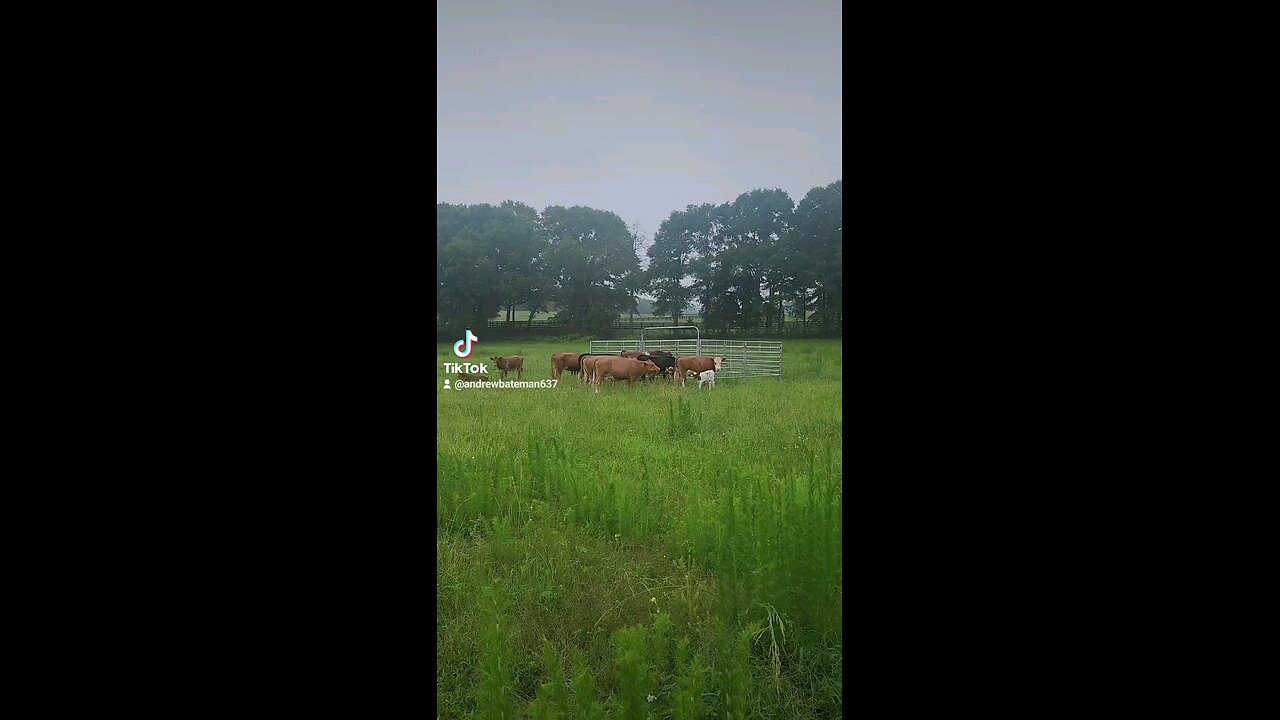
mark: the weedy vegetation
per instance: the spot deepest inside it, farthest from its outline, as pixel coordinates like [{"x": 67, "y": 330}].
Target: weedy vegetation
[{"x": 651, "y": 553}]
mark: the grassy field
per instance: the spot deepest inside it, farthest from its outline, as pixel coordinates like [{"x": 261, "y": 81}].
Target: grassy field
[
  {"x": 652, "y": 552},
  {"x": 523, "y": 315}
]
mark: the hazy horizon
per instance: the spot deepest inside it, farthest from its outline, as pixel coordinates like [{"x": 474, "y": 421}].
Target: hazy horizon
[{"x": 638, "y": 109}]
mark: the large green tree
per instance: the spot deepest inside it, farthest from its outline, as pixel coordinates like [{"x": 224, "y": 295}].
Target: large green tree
[
  {"x": 513, "y": 231},
  {"x": 678, "y": 247},
  {"x": 753, "y": 229},
  {"x": 487, "y": 258},
  {"x": 819, "y": 252},
  {"x": 465, "y": 271},
  {"x": 590, "y": 255}
]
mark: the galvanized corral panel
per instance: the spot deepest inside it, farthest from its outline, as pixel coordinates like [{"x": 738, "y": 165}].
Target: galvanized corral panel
[
  {"x": 614, "y": 346},
  {"x": 742, "y": 358}
]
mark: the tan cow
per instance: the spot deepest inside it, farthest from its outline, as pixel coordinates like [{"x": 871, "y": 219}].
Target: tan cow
[
  {"x": 588, "y": 365},
  {"x": 564, "y": 361},
  {"x": 620, "y": 368},
  {"x": 511, "y": 362},
  {"x": 696, "y": 363},
  {"x": 584, "y": 367}
]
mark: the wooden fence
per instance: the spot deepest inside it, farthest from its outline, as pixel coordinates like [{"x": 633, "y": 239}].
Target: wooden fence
[{"x": 797, "y": 327}]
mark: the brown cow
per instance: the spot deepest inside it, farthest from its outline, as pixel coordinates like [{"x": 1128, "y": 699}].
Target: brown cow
[
  {"x": 588, "y": 365},
  {"x": 696, "y": 363},
  {"x": 584, "y": 367},
  {"x": 511, "y": 362},
  {"x": 564, "y": 361},
  {"x": 469, "y": 376},
  {"x": 620, "y": 368}
]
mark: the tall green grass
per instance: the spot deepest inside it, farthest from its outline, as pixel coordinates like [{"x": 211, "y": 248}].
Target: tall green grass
[
  {"x": 494, "y": 692},
  {"x": 681, "y": 545},
  {"x": 773, "y": 540}
]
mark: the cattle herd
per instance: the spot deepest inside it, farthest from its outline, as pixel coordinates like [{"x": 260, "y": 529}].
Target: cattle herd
[{"x": 629, "y": 365}]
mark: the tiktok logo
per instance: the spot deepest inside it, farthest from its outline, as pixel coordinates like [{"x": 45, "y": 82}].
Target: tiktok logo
[{"x": 457, "y": 347}]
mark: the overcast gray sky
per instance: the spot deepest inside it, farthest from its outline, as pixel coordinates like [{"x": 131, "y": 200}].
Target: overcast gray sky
[{"x": 636, "y": 107}]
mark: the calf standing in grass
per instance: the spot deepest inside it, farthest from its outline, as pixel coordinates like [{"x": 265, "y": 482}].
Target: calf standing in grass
[
  {"x": 511, "y": 362},
  {"x": 708, "y": 377}
]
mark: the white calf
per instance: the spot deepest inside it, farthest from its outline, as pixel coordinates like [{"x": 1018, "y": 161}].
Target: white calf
[{"x": 707, "y": 376}]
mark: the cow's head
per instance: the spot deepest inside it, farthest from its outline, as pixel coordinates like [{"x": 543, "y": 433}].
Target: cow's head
[
  {"x": 496, "y": 360},
  {"x": 718, "y": 361},
  {"x": 650, "y": 367}
]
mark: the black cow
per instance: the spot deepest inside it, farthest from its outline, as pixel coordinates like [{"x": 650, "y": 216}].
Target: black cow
[{"x": 665, "y": 361}]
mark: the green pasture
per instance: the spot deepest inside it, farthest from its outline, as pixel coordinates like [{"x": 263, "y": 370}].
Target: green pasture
[
  {"x": 523, "y": 315},
  {"x": 653, "y": 552}
]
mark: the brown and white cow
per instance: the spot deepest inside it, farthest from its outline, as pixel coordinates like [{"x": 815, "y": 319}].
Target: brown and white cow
[
  {"x": 696, "y": 363},
  {"x": 620, "y": 368},
  {"x": 511, "y": 362}
]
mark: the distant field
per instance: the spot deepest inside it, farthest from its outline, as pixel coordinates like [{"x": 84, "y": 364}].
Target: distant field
[
  {"x": 524, "y": 315},
  {"x": 655, "y": 552}
]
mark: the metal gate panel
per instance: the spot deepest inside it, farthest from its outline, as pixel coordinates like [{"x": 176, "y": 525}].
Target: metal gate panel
[
  {"x": 613, "y": 346},
  {"x": 763, "y": 358},
  {"x": 742, "y": 358}
]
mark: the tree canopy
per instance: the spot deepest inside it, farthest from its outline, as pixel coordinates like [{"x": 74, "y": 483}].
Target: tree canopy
[{"x": 747, "y": 262}]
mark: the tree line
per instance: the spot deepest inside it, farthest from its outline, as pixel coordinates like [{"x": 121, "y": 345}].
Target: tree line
[{"x": 750, "y": 261}]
